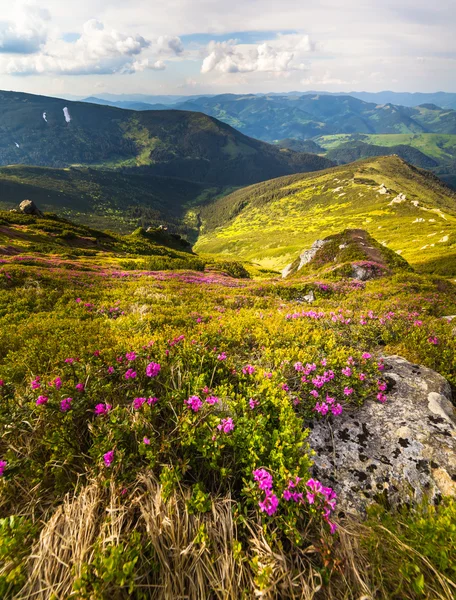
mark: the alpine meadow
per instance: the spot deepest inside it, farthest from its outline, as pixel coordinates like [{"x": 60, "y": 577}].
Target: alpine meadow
[{"x": 227, "y": 300}]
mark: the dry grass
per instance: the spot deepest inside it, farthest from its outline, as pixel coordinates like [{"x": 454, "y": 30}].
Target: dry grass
[{"x": 195, "y": 556}]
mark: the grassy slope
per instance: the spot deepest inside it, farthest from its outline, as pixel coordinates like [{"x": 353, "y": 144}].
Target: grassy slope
[
  {"x": 272, "y": 222},
  {"x": 116, "y": 200}
]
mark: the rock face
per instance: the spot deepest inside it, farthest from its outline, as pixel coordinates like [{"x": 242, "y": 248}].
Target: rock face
[
  {"x": 402, "y": 450},
  {"x": 28, "y": 207},
  {"x": 305, "y": 257}
]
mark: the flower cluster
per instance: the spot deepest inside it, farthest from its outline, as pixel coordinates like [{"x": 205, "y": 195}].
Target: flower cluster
[{"x": 270, "y": 502}]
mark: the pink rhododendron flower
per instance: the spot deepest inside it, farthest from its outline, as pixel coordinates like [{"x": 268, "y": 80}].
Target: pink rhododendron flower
[
  {"x": 248, "y": 370},
  {"x": 263, "y": 478},
  {"x": 212, "y": 399},
  {"x": 153, "y": 369},
  {"x": 138, "y": 402},
  {"x": 80, "y": 387},
  {"x": 362, "y": 377},
  {"x": 65, "y": 404},
  {"x": 57, "y": 383},
  {"x": 226, "y": 425},
  {"x": 102, "y": 409},
  {"x": 253, "y": 403},
  {"x": 346, "y": 371},
  {"x": 152, "y": 400},
  {"x": 108, "y": 458},
  {"x": 3, "y": 465},
  {"x": 269, "y": 504},
  {"x": 130, "y": 374},
  {"x": 348, "y": 391},
  {"x": 2, "y": 383},
  {"x": 194, "y": 402},
  {"x": 336, "y": 409},
  {"x": 366, "y": 356},
  {"x": 36, "y": 383},
  {"x": 146, "y": 441},
  {"x": 433, "y": 340},
  {"x": 221, "y": 356},
  {"x": 381, "y": 397},
  {"x": 131, "y": 356},
  {"x": 110, "y": 370},
  {"x": 41, "y": 400}
]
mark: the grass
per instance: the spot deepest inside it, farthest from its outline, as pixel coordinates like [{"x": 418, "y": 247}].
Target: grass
[{"x": 271, "y": 223}]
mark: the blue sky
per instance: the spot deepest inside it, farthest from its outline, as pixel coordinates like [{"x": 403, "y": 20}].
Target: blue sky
[{"x": 211, "y": 46}]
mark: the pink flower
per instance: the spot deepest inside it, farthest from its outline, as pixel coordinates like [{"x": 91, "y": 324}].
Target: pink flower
[
  {"x": 321, "y": 408},
  {"x": 346, "y": 371},
  {"x": 226, "y": 425},
  {"x": 348, "y": 391},
  {"x": 108, "y": 458},
  {"x": 221, "y": 356},
  {"x": 2, "y": 383},
  {"x": 152, "y": 400},
  {"x": 57, "y": 383},
  {"x": 65, "y": 404},
  {"x": 314, "y": 393},
  {"x": 381, "y": 386},
  {"x": 253, "y": 403},
  {"x": 263, "y": 478},
  {"x": 267, "y": 375},
  {"x": 362, "y": 377},
  {"x": 366, "y": 356},
  {"x": 146, "y": 441},
  {"x": 212, "y": 399},
  {"x": 433, "y": 340},
  {"x": 194, "y": 402},
  {"x": 381, "y": 397},
  {"x": 130, "y": 374},
  {"x": 336, "y": 409},
  {"x": 131, "y": 356},
  {"x": 3, "y": 465},
  {"x": 153, "y": 369},
  {"x": 69, "y": 361},
  {"x": 80, "y": 387},
  {"x": 248, "y": 370},
  {"x": 269, "y": 504},
  {"x": 138, "y": 402},
  {"x": 36, "y": 384},
  {"x": 78, "y": 300},
  {"x": 110, "y": 370},
  {"x": 418, "y": 323},
  {"x": 102, "y": 409},
  {"x": 41, "y": 400}
]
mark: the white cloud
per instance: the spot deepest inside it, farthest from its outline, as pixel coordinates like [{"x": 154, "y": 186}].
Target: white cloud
[
  {"x": 26, "y": 32},
  {"x": 167, "y": 44},
  {"x": 142, "y": 65},
  {"x": 277, "y": 56},
  {"x": 98, "y": 50}
]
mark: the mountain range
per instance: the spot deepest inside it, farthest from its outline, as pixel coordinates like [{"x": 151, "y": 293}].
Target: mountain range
[{"x": 50, "y": 132}]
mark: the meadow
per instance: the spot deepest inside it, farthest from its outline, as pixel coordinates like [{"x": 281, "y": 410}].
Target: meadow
[{"x": 154, "y": 429}]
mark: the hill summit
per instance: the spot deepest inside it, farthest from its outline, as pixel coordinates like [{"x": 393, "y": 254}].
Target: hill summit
[{"x": 351, "y": 253}]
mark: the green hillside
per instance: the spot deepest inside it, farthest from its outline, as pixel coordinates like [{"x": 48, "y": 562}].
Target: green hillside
[
  {"x": 270, "y": 223},
  {"x": 42, "y": 131},
  {"x": 119, "y": 200}
]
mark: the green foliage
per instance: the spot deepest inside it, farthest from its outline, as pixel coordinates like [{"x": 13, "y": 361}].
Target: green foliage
[{"x": 16, "y": 537}]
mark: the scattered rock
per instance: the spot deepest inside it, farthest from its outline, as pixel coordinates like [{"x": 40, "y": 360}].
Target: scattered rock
[
  {"x": 383, "y": 189},
  {"x": 28, "y": 207},
  {"x": 401, "y": 451}
]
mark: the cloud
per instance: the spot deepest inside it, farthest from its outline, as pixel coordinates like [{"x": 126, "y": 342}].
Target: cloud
[
  {"x": 26, "y": 33},
  {"x": 166, "y": 44},
  {"x": 97, "y": 50},
  {"x": 142, "y": 65},
  {"x": 278, "y": 56}
]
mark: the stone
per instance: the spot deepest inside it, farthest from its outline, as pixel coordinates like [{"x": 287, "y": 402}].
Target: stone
[
  {"x": 305, "y": 257},
  {"x": 28, "y": 207},
  {"x": 400, "y": 451}
]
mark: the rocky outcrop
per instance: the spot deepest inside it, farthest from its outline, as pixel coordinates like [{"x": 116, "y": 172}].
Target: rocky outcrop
[
  {"x": 28, "y": 207},
  {"x": 399, "y": 451},
  {"x": 305, "y": 257}
]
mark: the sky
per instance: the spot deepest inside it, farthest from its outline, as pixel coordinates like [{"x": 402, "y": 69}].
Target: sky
[{"x": 90, "y": 47}]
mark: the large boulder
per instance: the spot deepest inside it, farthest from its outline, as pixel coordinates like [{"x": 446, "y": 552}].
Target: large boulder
[
  {"x": 400, "y": 451},
  {"x": 28, "y": 207}
]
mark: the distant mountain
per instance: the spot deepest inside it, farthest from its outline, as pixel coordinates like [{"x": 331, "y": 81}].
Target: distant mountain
[
  {"x": 37, "y": 130},
  {"x": 441, "y": 99},
  {"x": 351, "y": 151},
  {"x": 273, "y": 117},
  {"x": 272, "y": 222}
]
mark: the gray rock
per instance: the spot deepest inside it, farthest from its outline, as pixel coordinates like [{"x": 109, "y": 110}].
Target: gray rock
[
  {"x": 305, "y": 257},
  {"x": 362, "y": 273},
  {"x": 28, "y": 207},
  {"x": 400, "y": 451}
]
